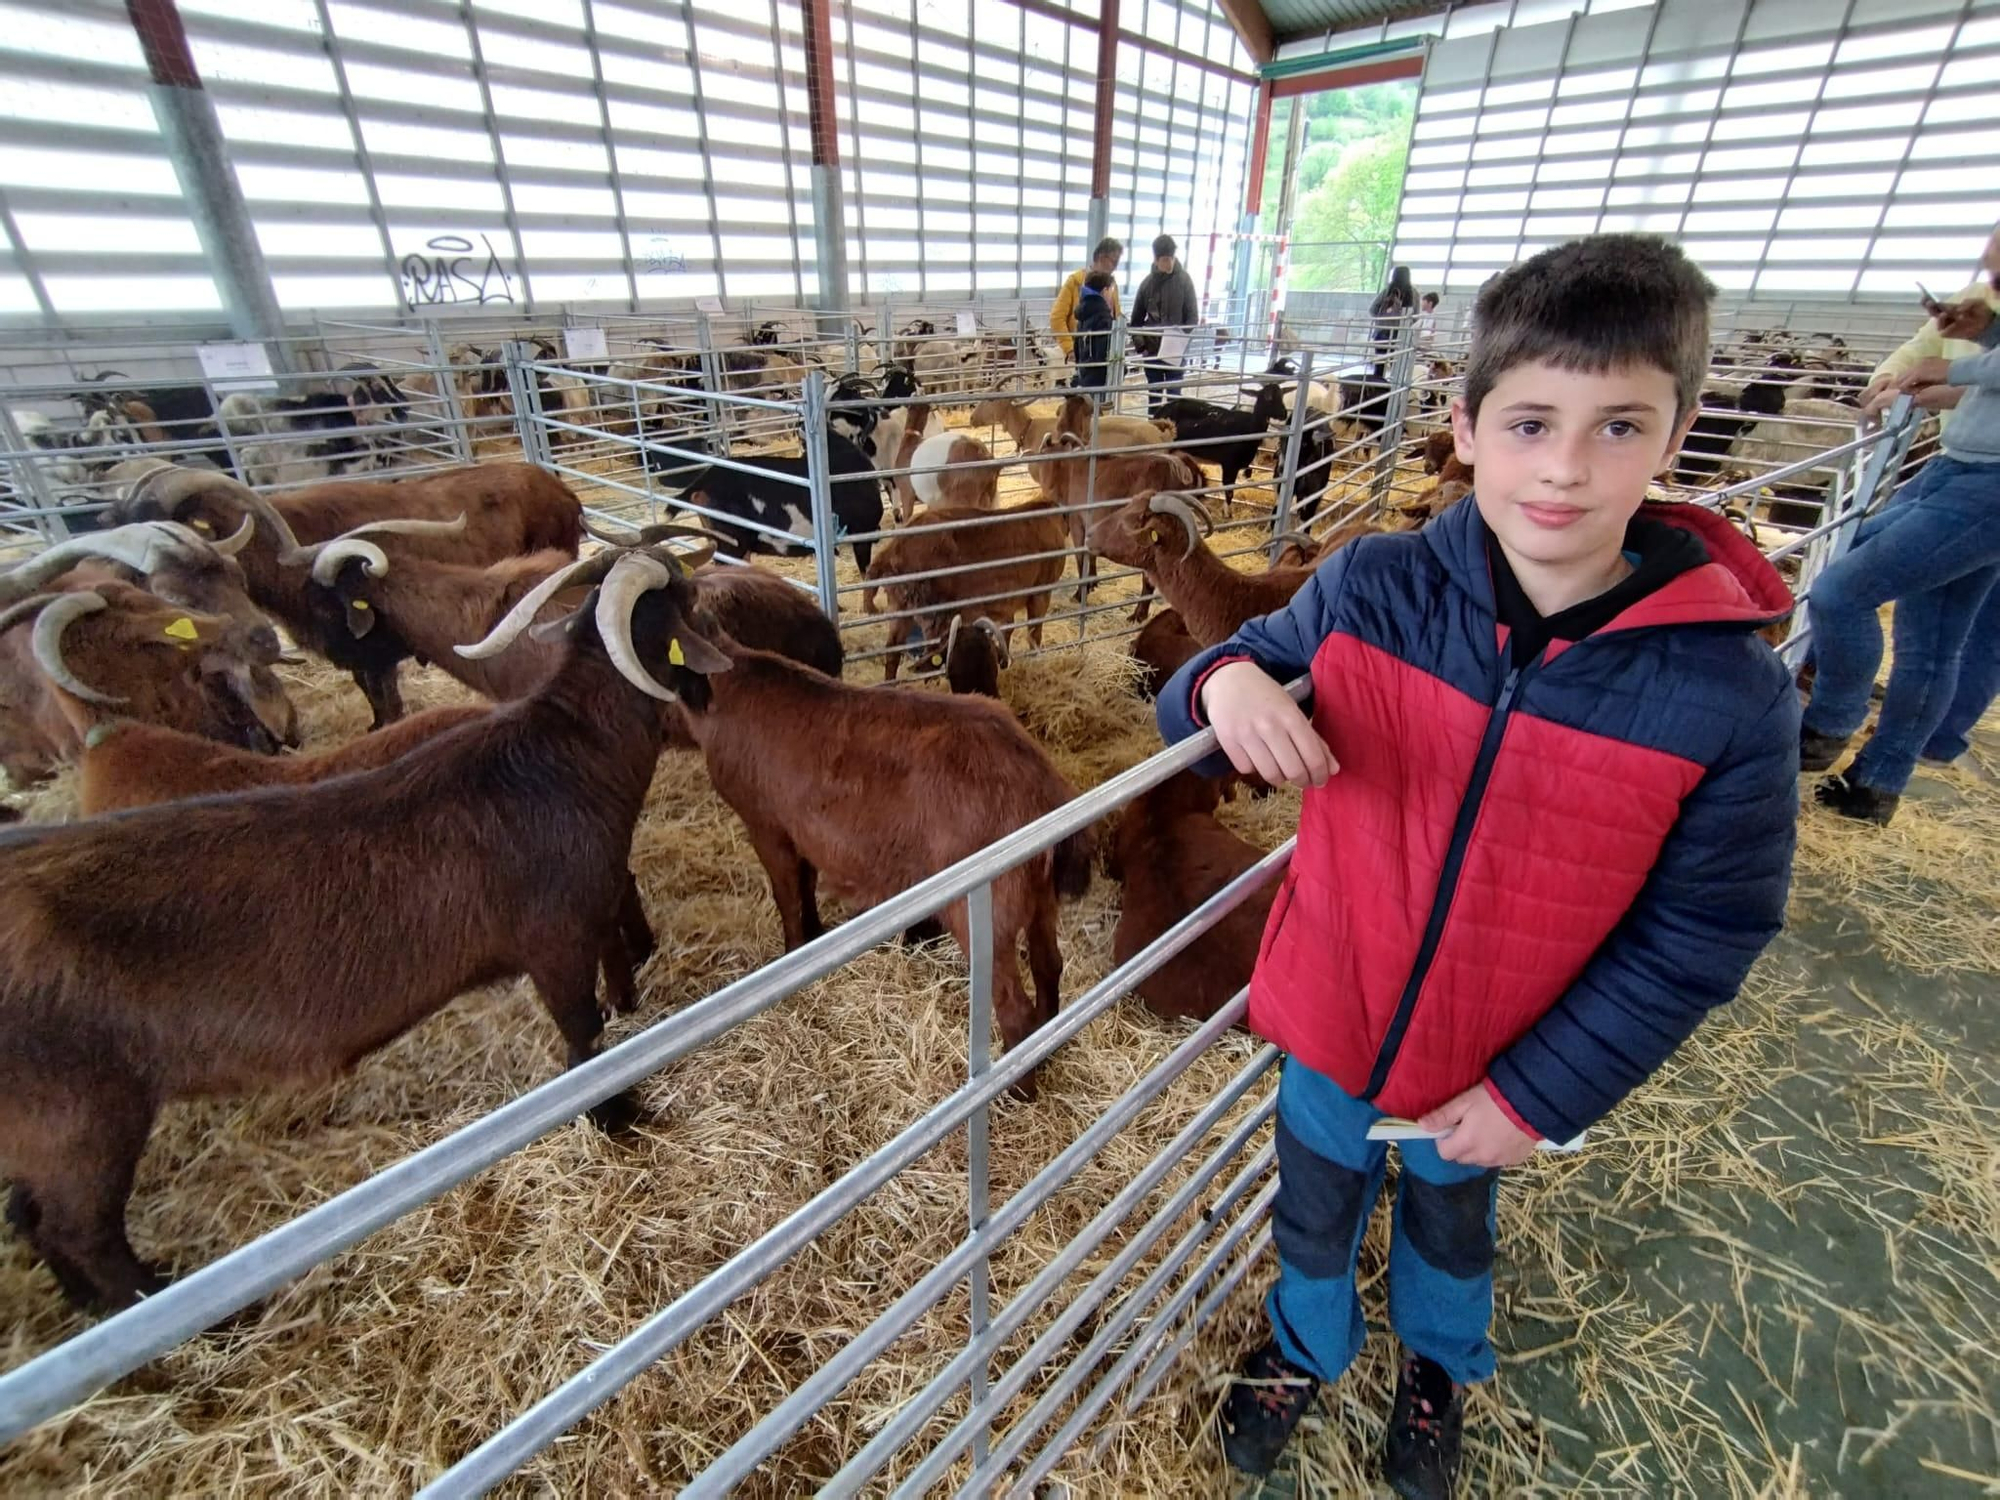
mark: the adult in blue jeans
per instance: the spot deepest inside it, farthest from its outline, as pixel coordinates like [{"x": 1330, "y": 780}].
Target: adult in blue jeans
[{"x": 1936, "y": 555}]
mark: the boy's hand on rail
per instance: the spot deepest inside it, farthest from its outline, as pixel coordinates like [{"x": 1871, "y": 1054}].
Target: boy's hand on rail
[
  {"x": 1480, "y": 1134},
  {"x": 1262, "y": 730}
]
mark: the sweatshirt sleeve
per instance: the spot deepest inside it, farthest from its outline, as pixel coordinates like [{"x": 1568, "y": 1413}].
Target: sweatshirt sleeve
[
  {"x": 1062, "y": 316},
  {"x": 1714, "y": 899},
  {"x": 1925, "y": 344},
  {"x": 1983, "y": 368},
  {"x": 1282, "y": 644}
]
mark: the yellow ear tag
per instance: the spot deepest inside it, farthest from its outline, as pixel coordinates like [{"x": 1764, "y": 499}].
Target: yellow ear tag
[
  {"x": 674, "y": 653},
  {"x": 182, "y": 630},
  {"x": 1153, "y": 535},
  {"x": 204, "y": 528},
  {"x": 937, "y": 661},
  {"x": 360, "y": 603}
]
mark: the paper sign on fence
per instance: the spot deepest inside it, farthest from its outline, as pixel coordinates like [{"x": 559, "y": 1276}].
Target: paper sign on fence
[
  {"x": 237, "y": 367},
  {"x": 708, "y": 304},
  {"x": 1173, "y": 347},
  {"x": 585, "y": 343},
  {"x": 968, "y": 325}
]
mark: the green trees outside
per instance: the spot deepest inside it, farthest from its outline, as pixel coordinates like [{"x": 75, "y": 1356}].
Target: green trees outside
[{"x": 1350, "y": 181}]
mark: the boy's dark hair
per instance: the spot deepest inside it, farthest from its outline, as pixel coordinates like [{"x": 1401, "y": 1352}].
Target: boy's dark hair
[
  {"x": 1107, "y": 246},
  {"x": 1100, "y": 281},
  {"x": 1164, "y": 245},
  {"x": 1430, "y": 299},
  {"x": 1594, "y": 305}
]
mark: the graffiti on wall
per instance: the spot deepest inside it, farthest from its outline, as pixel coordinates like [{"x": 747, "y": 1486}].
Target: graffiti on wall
[{"x": 449, "y": 269}]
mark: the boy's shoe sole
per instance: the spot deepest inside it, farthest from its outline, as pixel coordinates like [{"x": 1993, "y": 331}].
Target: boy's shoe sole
[{"x": 1851, "y": 799}]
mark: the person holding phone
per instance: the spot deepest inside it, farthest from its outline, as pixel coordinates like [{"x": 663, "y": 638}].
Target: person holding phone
[
  {"x": 1935, "y": 553},
  {"x": 1933, "y": 341}
]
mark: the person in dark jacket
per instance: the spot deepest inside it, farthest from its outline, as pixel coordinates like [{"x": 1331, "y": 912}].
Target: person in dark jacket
[
  {"x": 1166, "y": 300},
  {"x": 1391, "y": 306},
  {"x": 1094, "y": 317},
  {"x": 1551, "y": 775}
]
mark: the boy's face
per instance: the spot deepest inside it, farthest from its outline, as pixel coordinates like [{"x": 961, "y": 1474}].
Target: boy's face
[{"x": 1562, "y": 459}]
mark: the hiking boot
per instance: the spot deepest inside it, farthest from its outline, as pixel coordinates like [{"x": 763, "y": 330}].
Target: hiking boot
[
  {"x": 1420, "y": 1457},
  {"x": 1853, "y": 800},
  {"x": 1818, "y": 752},
  {"x": 1269, "y": 1396}
]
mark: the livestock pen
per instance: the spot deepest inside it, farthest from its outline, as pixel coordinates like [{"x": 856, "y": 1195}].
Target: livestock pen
[{"x": 837, "y": 1256}]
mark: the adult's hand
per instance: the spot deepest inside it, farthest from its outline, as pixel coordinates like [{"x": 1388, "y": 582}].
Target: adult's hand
[
  {"x": 1933, "y": 371},
  {"x": 1262, "y": 730},
  {"x": 1965, "y": 320},
  {"x": 1881, "y": 385},
  {"x": 1940, "y": 397},
  {"x": 1480, "y": 1134}
]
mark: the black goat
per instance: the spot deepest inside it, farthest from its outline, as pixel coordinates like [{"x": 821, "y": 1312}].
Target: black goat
[
  {"x": 1315, "y": 466},
  {"x": 1364, "y": 406},
  {"x": 778, "y": 498},
  {"x": 1195, "y": 421},
  {"x": 1714, "y": 431}
]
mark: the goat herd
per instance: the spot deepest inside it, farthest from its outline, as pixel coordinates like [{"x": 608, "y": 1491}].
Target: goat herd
[{"x": 225, "y": 918}]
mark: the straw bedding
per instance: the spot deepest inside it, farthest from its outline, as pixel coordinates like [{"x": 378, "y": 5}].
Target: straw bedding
[{"x": 1773, "y": 1273}]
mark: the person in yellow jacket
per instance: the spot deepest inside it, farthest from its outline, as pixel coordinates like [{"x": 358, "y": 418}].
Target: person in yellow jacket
[
  {"x": 1062, "y": 317},
  {"x": 1930, "y": 344}
]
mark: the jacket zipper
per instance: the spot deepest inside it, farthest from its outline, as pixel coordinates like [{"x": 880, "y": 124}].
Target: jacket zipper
[{"x": 1447, "y": 887}]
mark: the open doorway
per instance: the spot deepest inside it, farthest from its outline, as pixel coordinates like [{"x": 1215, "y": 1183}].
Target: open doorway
[{"x": 1334, "y": 180}]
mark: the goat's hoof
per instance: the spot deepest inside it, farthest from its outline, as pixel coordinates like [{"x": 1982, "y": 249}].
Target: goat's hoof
[
  {"x": 1027, "y": 1091},
  {"x": 930, "y": 930},
  {"x": 617, "y": 1114}
]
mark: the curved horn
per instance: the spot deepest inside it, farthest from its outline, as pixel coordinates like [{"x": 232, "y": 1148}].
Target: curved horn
[
  {"x": 951, "y": 635},
  {"x": 999, "y": 638},
  {"x": 1300, "y": 539},
  {"x": 1184, "y": 511},
  {"x": 231, "y": 545},
  {"x": 56, "y": 617},
  {"x": 328, "y": 558},
  {"x": 138, "y": 545},
  {"x": 172, "y": 487},
  {"x": 314, "y": 556},
  {"x": 634, "y": 574},
  {"x": 522, "y": 615}
]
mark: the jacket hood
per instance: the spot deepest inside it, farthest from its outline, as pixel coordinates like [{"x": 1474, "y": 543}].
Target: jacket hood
[{"x": 1737, "y": 585}]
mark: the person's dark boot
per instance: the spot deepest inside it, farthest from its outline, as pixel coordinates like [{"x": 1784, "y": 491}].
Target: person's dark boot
[
  {"x": 1420, "y": 1456},
  {"x": 1269, "y": 1397},
  {"x": 1851, "y": 799},
  {"x": 1818, "y": 752}
]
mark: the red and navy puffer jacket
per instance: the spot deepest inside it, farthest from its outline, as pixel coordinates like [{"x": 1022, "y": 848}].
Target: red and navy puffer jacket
[{"x": 1541, "y": 876}]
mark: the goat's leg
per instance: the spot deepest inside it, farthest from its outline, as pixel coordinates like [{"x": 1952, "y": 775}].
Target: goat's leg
[
  {"x": 1012, "y": 1011},
  {"x": 383, "y": 691},
  {"x": 904, "y": 635},
  {"x": 632, "y": 922},
  {"x": 72, "y": 1210},
  {"x": 1045, "y": 960},
  {"x": 1086, "y": 562},
  {"x": 566, "y": 976},
  {"x": 1144, "y": 608},
  {"x": 794, "y": 885}
]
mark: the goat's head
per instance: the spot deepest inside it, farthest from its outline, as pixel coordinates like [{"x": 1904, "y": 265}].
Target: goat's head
[
  {"x": 1269, "y": 406},
  {"x": 641, "y": 611},
  {"x": 1149, "y": 529},
  {"x": 343, "y": 568},
  {"x": 899, "y": 383},
  {"x": 210, "y": 504},
  {"x": 115, "y": 647},
  {"x": 972, "y": 650}
]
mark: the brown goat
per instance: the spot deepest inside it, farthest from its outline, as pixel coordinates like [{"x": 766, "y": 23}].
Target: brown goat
[
  {"x": 494, "y": 849},
  {"x": 891, "y": 786},
  {"x": 428, "y": 606},
  {"x": 1171, "y": 854},
  {"x": 1031, "y": 433},
  {"x": 1162, "y": 535},
  {"x": 510, "y": 509},
  {"x": 112, "y": 650},
  {"x": 1019, "y": 558},
  {"x": 974, "y": 656},
  {"x": 1085, "y": 486},
  {"x": 1163, "y": 648},
  {"x": 952, "y": 469}
]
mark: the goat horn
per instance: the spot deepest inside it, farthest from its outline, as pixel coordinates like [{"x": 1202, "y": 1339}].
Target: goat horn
[
  {"x": 1183, "y": 510},
  {"x": 1305, "y": 542},
  {"x": 522, "y": 615},
  {"x": 951, "y": 635},
  {"x": 176, "y": 485},
  {"x": 56, "y": 617},
  {"x": 137, "y": 545},
  {"x": 999, "y": 639},
  {"x": 1186, "y": 505},
  {"x": 315, "y": 556},
  {"x": 232, "y": 545},
  {"x": 634, "y": 574},
  {"x": 329, "y": 556}
]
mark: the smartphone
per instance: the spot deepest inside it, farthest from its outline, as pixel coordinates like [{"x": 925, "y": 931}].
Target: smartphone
[{"x": 1929, "y": 303}]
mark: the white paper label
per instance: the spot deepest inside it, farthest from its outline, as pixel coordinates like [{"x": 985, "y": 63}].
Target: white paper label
[
  {"x": 1173, "y": 347},
  {"x": 968, "y": 325},
  {"x": 237, "y": 367},
  {"x": 585, "y": 343},
  {"x": 708, "y": 304}
]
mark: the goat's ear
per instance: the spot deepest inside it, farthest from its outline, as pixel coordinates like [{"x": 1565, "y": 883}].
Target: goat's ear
[
  {"x": 350, "y": 587},
  {"x": 687, "y": 644}
]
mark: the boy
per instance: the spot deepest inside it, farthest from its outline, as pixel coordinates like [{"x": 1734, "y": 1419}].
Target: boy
[
  {"x": 1094, "y": 318},
  {"x": 1551, "y": 777}
]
